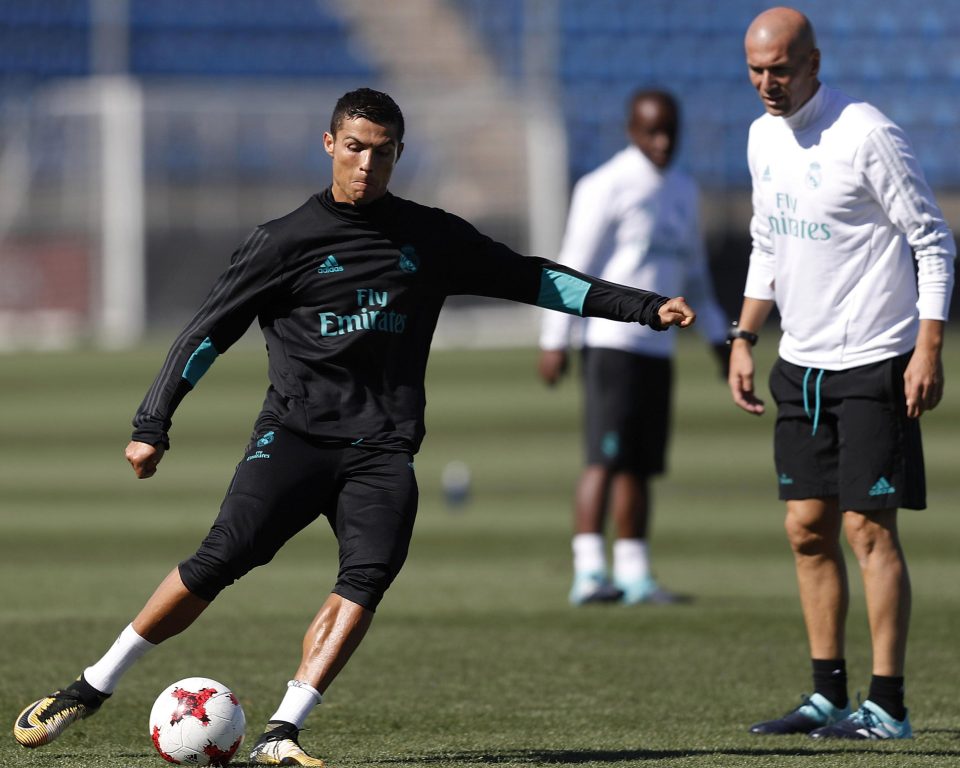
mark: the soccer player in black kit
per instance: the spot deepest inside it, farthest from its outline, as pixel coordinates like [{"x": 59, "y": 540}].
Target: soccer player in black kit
[{"x": 347, "y": 290}]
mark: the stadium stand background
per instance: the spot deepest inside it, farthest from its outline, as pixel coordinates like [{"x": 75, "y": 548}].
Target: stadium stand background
[
  {"x": 236, "y": 94},
  {"x": 900, "y": 55}
]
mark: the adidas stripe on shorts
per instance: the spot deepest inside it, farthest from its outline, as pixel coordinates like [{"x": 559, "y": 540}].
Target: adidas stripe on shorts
[{"x": 846, "y": 434}]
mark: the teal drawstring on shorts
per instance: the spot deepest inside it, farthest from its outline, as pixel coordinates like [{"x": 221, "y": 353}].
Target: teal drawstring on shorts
[{"x": 816, "y": 394}]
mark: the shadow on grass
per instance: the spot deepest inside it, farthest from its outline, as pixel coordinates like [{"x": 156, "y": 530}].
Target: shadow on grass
[
  {"x": 611, "y": 756},
  {"x": 583, "y": 756},
  {"x": 577, "y": 757}
]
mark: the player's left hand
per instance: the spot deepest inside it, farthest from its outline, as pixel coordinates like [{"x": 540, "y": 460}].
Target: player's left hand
[
  {"x": 923, "y": 382},
  {"x": 677, "y": 312}
]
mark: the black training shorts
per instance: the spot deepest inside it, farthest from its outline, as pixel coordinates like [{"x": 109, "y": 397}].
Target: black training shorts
[
  {"x": 282, "y": 484},
  {"x": 846, "y": 434},
  {"x": 627, "y": 409}
]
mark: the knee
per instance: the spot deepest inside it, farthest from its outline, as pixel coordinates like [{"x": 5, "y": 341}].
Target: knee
[
  {"x": 868, "y": 537},
  {"x": 232, "y": 547},
  {"x": 364, "y": 584},
  {"x": 806, "y": 539},
  {"x": 217, "y": 564},
  {"x": 205, "y": 576}
]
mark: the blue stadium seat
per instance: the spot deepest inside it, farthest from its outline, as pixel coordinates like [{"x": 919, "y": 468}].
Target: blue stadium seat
[
  {"x": 47, "y": 51},
  {"x": 241, "y": 38},
  {"x": 56, "y": 13},
  {"x": 262, "y": 15}
]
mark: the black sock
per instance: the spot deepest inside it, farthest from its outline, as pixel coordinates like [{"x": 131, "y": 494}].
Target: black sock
[
  {"x": 282, "y": 727},
  {"x": 830, "y": 680},
  {"x": 88, "y": 694},
  {"x": 887, "y": 692}
]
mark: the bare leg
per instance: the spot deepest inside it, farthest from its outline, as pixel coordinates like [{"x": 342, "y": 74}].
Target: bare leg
[
  {"x": 170, "y": 610},
  {"x": 331, "y": 639},
  {"x": 630, "y": 502},
  {"x": 590, "y": 506},
  {"x": 590, "y": 582},
  {"x": 886, "y": 582},
  {"x": 813, "y": 528}
]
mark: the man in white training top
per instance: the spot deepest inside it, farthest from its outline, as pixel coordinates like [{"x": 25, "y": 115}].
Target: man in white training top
[
  {"x": 851, "y": 246},
  {"x": 633, "y": 220}
]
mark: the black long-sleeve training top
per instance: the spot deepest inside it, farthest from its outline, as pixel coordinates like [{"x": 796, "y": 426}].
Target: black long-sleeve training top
[{"x": 347, "y": 298}]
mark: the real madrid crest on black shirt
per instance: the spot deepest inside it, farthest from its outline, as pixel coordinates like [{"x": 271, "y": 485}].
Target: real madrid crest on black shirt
[{"x": 409, "y": 262}]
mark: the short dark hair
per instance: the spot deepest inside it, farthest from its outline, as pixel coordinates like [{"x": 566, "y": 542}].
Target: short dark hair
[
  {"x": 375, "y": 106},
  {"x": 665, "y": 98}
]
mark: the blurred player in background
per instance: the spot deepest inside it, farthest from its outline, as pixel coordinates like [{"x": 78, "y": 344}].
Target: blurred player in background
[
  {"x": 634, "y": 220},
  {"x": 841, "y": 211},
  {"x": 347, "y": 290}
]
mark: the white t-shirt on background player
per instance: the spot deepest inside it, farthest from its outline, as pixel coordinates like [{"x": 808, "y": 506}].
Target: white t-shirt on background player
[
  {"x": 633, "y": 224},
  {"x": 841, "y": 209}
]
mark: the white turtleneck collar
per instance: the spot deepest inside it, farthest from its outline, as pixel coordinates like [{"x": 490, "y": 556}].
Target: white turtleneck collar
[
  {"x": 641, "y": 159},
  {"x": 810, "y": 112}
]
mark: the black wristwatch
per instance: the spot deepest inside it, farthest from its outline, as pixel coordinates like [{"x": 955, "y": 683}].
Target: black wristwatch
[{"x": 738, "y": 333}]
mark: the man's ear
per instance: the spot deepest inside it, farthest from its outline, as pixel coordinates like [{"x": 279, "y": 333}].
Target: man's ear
[
  {"x": 328, "y": 142},
  {"x": 399, "y": 150}
]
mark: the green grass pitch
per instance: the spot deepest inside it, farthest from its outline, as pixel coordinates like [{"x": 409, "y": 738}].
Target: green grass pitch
[{"x": 475, "y": 657}]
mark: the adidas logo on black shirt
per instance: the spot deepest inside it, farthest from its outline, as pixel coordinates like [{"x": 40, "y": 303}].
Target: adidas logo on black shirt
[{"x": 329, "y": 265}]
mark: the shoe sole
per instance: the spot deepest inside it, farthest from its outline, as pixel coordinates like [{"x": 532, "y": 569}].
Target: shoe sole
[
  {"x": 290, "y": 761},
  {"x": 259, "y": 758}
]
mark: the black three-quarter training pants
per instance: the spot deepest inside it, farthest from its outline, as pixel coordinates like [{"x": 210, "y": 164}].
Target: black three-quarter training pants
[{"x": 283, "y": 483}]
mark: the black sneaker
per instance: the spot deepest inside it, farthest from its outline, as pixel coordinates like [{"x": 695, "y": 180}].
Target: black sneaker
[
  {"x": 816, "y": 711},
  {"x": 871, "y": 721},
  {"x": 44, "y": 720},
  {"x": 278, "y": 745}
]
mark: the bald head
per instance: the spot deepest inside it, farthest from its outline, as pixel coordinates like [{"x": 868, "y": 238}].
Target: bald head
[
  {"x": 783, "y": 24},
  {"x": 783, "y": 59}
]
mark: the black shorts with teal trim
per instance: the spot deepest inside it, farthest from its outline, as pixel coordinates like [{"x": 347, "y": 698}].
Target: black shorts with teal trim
[
  {"x": 627, "y": 410},
  {"x": 283, "y": 483},
  {"x": 846, "y": 434}
]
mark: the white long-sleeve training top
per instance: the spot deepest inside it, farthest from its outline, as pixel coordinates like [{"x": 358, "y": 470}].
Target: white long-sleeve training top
[
  {"x": 840, "y": 210},
  {"x": 633, "y": 224}
]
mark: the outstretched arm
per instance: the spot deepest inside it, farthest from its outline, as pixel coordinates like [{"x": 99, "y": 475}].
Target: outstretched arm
[{"x": 553, "y": 363}]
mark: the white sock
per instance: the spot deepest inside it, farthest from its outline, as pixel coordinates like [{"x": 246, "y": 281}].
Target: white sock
[
  {"x": 588, "y": 554},
  {"x": 631, "y": 561},
  {"x": 106, "y": 673},
  {"x": 297, "y": 703}
]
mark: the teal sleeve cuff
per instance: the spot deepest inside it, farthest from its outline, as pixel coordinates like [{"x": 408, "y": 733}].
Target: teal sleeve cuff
[
  {"x": 200, "y": 361},
  {"x": 562, "y": 292}
]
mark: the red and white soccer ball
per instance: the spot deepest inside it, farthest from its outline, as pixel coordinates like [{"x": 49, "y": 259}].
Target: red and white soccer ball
[{"x": 197, "y": 721}]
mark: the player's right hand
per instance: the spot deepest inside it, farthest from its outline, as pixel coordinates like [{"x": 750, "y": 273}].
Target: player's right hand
[
  {"x": 144, "y": 458},
  {"x": 740, "y": 378},
  {"x": 552, "y": 365}
]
